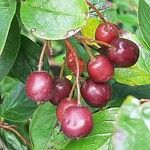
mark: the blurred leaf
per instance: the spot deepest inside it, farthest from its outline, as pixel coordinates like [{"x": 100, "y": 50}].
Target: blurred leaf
[
  {"x": 11, "y": 141},
  {"x": 16, "y": 106},
  {"x": 121, "y": 91},
  {"x": 42, "y": 125},
  {"x": 27, "y": 59},
  {"x": 7, "y": 11},
  {"x": 139, "y": 74},
  {"x": 99, "y": 138},
  {"x": 55, "y": 19},
  {"x": 133, "y": 127},
  {"x": 144, "y": 19},
  {"x": 11, "y": 49}
]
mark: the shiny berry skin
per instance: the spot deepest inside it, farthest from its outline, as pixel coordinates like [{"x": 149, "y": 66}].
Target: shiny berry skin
[
  {"x": 61, "y": 89},
  {"x": 62, "y": 106},
  {"x": 77, "y": 122},
  {"x": 106, "y": 32},
  {"x": 125, "y": 53},
  {"x": 100, "y": 69},
  {"x": 96, "y": 94},
  {"x": 39, "y": 86}
]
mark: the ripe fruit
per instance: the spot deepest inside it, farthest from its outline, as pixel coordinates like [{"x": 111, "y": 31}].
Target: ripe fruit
[
  {"x": 96, "y": 94},
  {"x": 100, "y": 69},
  {"x": 39, "y": 86},
  {"x": 62, "y": 106},
  {"x": 61, "y": 89},
  {"x": 71, "y": 63},
  {"x": 77, "y": 122},
  {"x": 106, "y": 32},
  {"x": 125, "y": 53}
]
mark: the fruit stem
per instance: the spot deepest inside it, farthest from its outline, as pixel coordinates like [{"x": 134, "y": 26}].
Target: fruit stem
[
  {"x": 91, "y": 40},
  {"x": 72, "y": 90},
  {"x": 7, "y": 127},
  {"x": 42, "y": 56},
  {"x": 78, "y": 70},
  {"x": 62, "y": 69},
  {"x": 97, "y": 11},
  {"x": 86, "y": 47}
]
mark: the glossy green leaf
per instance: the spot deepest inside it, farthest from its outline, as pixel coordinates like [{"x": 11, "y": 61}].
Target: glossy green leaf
[
  {"x": 42, "y": 125},
  {"x": 16, "y": 106},
  {"x": 11, "y": 49},
  {"x": 133, "y": 126},
  {"x": 7, "y": 11},
  {"x": 100, "y": 137},
  {"x": 54, "y": 19},
  {"x": 144, "y": 19},
  {"x": 139, "y": 74}
]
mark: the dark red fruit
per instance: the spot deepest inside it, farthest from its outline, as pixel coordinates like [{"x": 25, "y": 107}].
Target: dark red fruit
[
  {"x": 77, "y": 122},
  {"x": 61, "y": 89},
  {"x": 39, "y": 86},
  {"x": 125, "y": 53},
  {"x": 71, "y": 63},
  {"x": 62, "y": 106},
  {"x": 100, "y": 69},
  {"x": 96, "y": 94},
  {"x": 106, "y": 32}
]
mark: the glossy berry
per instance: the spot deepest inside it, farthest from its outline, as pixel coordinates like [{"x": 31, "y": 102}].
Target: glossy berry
[
  {"x": 106, "y": 32},
  {"x": 71, "y": 63},
  {"x": 125, "y": 53},
  {"x": 77, "y": 122},
  {"x": 61, "y": 89},
  {"x": 39, "y": 86},
  {"x": 100, "y": 69},
  {"x": 62, "y": 106},
  {"x": 96, "y": 94}
]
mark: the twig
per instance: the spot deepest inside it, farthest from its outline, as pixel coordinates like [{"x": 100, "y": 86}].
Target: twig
[{"x": 72, "y": 90}]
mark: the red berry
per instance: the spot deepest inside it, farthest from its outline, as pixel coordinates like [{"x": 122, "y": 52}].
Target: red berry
[
  {"x": 77, "y": 122},
  {"x": 96, "y": 94},
  {"x": 106, "y": 32},
  {"x": 62, "y": 106},
  {"x": 125, "y": 53},
  {"x": 61, "y": 89},
  {"x": 39, "y": 86},
  {"x": 100, "y": 69},
  {"x": 71, "y": 63}
]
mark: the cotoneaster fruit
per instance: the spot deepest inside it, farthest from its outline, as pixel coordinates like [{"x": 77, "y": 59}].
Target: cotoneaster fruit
[
  {"x": 100, "y": 69},
  {"x": 96, "y": 94},
  {"x": 39, "y": 86},
  {"x": 123, "y": 53},
  {"x": 61, "y": 89},
  {"x": 62, "y": 106},
  {"x": 77, "y": 122},
  {"x": 106, "y": 32}
]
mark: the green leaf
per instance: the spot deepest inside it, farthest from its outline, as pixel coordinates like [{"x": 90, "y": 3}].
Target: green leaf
[
  {"x": 102, "y": 132},
  {"x": 27, "y": 59},
  {"x": 55, "y": 19},
  {"x": 139, "y": 74},
  {"x": 7, "y": 11},
  {"x": 144, "y": 20},
  {"x": 133, "y": 126},
  {"x": 11, "y": 49},
  {"x": 16, "y": 106},
  {"x": 42, "y": 125},
  {"x": 12, "y": 142}
]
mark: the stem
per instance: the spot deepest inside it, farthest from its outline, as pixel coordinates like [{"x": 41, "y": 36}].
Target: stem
[
  {"x": 72, "y": 90},
  {"x": 91, "y": 40},
  {"x": 62, "y": 69},
  {"x": 86, "y": 47},
  {"x": 10, "y": 128},
  {"x": 69, "y": 46},
  {"x": 42, "y": 57},
  {"x": 97, "y": 11}
]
